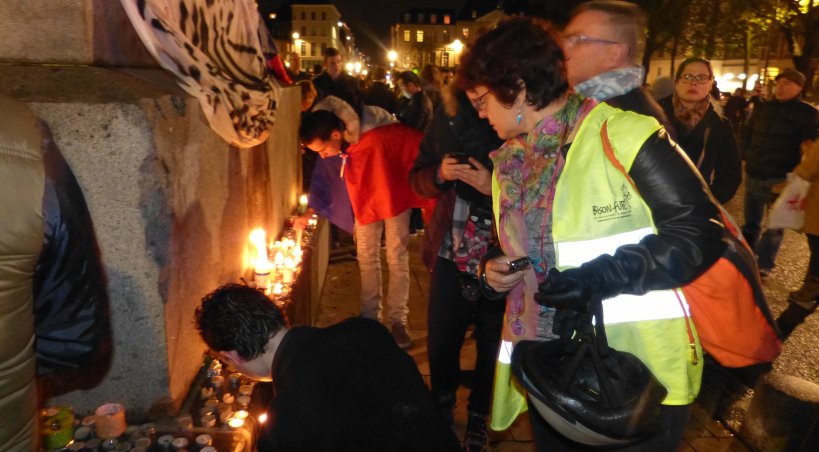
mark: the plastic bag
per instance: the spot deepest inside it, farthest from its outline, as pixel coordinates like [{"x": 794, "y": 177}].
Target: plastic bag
[{"x": 788, "y": 210}]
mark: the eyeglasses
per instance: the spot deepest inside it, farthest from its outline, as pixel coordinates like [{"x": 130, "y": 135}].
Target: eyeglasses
[
  {"x": 480, "y": 102},
  {"x": 695, "y": 79},
  {"x": 573, "y": 39}
]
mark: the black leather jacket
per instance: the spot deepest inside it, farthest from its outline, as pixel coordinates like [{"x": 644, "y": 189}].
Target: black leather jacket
[{"x": 689, "y": 235}]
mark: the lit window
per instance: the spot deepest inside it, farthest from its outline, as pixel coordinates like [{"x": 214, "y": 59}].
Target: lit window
[
  {"x": 465, "y": 32},
  {"x": 419, "y": 36},
  {"x": 446, "y": 19},
  {"x": 433, "y": 18},
  {"x": 407, "y": 35}
]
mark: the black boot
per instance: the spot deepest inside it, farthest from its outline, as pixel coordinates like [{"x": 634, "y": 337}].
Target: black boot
[{"x": 476, "y": 434}]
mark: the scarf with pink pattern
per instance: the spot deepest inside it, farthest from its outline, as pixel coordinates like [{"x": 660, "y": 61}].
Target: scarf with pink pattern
[{"x": 526, "y": 169}]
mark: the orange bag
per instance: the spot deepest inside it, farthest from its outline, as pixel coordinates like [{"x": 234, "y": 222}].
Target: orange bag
[{"x": 727, "y": 303}]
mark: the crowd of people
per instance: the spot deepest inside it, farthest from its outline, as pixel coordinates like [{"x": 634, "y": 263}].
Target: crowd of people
[{"x": 556, "y": 188}]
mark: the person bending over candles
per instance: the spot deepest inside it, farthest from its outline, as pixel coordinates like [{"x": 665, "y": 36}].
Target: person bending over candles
[{"x": 344, "y": 387}]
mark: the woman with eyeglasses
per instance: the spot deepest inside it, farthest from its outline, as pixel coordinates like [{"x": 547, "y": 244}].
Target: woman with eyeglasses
[
  {"x": 706, "y": 137},
  {"x": 575, "y": 224}
]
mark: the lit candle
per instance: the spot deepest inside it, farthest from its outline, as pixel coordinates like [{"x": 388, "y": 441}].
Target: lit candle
[
  {"x": 236, "y": 422},
  {"x": 241, "y": 414},
  {"x": 263, "y": 418},
  {"x": 303, "y": 200},
  {"x": 261, "y": 264},
  {"x": 288, "y": 270},
  {"x": 278, "y": 288}
]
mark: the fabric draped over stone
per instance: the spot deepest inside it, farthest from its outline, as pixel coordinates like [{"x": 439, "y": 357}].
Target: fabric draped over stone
[{"x": 218, "y": 50}]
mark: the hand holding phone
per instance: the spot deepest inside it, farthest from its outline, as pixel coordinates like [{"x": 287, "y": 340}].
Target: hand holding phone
[{"x": 519, "y": 264}]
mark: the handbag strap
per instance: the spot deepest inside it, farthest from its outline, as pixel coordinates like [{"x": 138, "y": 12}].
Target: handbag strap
[{"x": 704, "y": 147}]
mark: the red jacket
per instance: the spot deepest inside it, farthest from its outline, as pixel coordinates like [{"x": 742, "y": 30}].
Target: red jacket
[{"x": 377, "y": 173}]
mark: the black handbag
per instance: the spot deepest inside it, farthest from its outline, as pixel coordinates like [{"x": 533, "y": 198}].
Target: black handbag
[{"x": 589, "y": 392}]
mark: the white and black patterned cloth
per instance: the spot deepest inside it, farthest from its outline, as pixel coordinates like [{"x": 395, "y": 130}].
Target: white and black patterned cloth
[{"x": 218, "y": 50}]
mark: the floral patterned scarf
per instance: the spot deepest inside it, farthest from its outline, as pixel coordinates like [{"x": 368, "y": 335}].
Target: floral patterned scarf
[
  {"x": 526, "y": 169},
  {"x": 690, "y": 117}
]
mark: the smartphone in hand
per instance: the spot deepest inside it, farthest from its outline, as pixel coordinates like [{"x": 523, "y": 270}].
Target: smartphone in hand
[
  {"x": 519, "y": 264},
  {"x": 462, "y": 158}
]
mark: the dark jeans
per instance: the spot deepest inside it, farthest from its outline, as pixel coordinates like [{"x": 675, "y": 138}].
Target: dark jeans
[
  {"x": 449, "y": 316},
  {"x": 813, "y": 264},
  {"x": 757, "y": 197},
  {"x": 673, "y": 421}
]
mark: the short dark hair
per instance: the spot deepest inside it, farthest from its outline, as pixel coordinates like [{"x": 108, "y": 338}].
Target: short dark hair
[
  {"x": 319, "y": 124},
  {"x": 514, "y": 51},
  {"x": 330, "y": 52},
  {"x": 690, "y": 60},
  {"x": 237, "y": 317},
  {"x": 410, "y": 77},
  {"x": 628, "y": 20}
]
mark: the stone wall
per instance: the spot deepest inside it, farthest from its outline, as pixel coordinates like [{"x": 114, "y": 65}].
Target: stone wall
[
  {"x": 70, "y": 31},
  {"x": 172, "y": 206}
]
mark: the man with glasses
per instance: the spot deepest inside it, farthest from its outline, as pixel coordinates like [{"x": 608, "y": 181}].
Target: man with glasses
[
  {"x": 771, "y": 147},
  {"x": 602, "y": 42},
  {"x": 374, "y": 167}
]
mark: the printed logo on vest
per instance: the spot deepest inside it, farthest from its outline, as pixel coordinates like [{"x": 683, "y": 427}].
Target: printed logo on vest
[{"x": 618, "y": 208}]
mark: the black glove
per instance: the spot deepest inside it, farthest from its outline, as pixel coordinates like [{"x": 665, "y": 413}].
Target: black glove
[
  {"x": 572, "y": 293},
  {"x": 568, "y": 289}
]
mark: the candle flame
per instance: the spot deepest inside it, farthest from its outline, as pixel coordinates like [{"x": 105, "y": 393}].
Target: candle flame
[
  {"x": 263, "y": 418},
  {"x": 236, "y": 422},
  {"x": 303, "y": 199},
  {"x": 261, "y": 263}
]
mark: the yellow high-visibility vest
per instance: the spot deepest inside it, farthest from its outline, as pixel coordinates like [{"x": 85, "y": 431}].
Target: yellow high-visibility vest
[{"x": 595, "y": 211}]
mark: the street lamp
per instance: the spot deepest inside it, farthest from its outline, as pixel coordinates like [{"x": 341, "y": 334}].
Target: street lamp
[
  {"x": 457, "y": 46},
  {"x": 392, "y": 56},
  {"x": 295, "y": 35}
]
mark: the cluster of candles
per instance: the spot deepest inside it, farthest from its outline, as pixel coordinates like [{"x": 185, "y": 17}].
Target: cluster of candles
[
  {"x": 223, "y": 402},
  {"x": 277, "y": 264}
]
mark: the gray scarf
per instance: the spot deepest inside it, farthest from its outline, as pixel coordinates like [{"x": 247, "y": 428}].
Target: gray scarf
[{"x": 612, "y": 83}]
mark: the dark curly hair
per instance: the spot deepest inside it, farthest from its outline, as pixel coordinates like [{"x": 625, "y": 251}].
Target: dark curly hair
[
  {"x": 236, "y": 317},
  {"x": 514, "y": 51}
]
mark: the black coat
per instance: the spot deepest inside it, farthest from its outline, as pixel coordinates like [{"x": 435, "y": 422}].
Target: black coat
[
  {"x": 772, "y": 137},
  {"x": 380, "y": 95},
  {"x": 345, "y": 87},
  {"x": 465, "y": 132},
  {"x": 348, "y": 387},
  {"x": 721, "y": 166}
]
